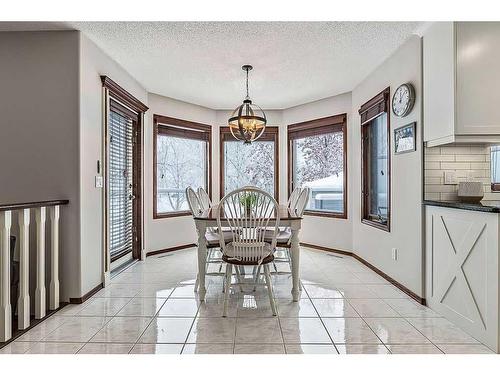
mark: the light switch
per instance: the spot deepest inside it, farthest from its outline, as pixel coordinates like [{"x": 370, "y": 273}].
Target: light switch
[
  {"x": 450, "y": 178},
  {"x": 99, "y": 182}
]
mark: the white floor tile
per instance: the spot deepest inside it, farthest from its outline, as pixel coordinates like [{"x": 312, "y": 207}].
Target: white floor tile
[
  {"x": 213, "y": 330},
  {"x": 350, "y": 331},
  {"x": 105, "y": 348},
  {"x": 258, "y": 331},
  {"x": 414, "y": 349},
  {"x": 122, "y": 329},
  {"x": 362, "y": 349},
  {"x": 311, "y": 349},
  {"x": 304, "y": 330},
  {"x": 465, "y": 349},
  {"x": 208, "y": 349},
  {"x": 441, "y": 331},
  {"x": 167, "y": 330},
  {"x": 259, "y": 349},
  {"x": 157, "y": 349},
  {"x": 373, "y": 308},
  {"x": 395, "y": 331}
]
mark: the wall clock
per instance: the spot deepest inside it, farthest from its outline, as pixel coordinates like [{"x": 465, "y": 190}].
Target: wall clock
[{"x": 403, "y": 100}]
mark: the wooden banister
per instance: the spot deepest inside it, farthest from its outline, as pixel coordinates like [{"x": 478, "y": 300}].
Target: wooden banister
[
  {"x": 19, "y": 206},
  {"x": 23, "y": 214}
]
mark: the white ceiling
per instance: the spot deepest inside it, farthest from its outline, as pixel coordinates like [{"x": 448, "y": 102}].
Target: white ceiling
[{"x": 294, "y": 62}]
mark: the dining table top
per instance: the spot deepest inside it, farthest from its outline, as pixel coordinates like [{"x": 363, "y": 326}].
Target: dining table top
[{"x": 284, "y": 212}]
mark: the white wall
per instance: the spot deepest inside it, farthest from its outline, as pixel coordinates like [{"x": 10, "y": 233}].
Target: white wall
[
  {"x": 372, "y": 244},
  {"x": 94, "y": 63},
  {"x": 39, "y": 133},
  {"x": 175, "y": 231},
  {"x": 328, "y": 232}
]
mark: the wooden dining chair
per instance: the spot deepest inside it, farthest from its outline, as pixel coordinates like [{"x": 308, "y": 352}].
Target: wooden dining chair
[
  {"x": 248, "y": 212},
  {"x": 204, "y": 198},
  {"x": 284, "y": 236},
  {"x": 212, "y": 238}
]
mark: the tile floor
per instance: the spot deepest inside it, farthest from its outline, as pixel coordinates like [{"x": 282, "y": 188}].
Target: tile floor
[{"x": 151, "y": 307}]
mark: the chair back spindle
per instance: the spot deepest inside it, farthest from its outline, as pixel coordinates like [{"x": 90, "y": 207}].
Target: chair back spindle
[{"x": 247, "y": 213}]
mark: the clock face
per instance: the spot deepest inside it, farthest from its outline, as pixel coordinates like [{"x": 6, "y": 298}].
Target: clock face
[{"x": 403, "y": 99}]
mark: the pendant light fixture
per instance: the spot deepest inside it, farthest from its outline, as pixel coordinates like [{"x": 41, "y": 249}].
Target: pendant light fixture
[{"x": 248, "y": 121}]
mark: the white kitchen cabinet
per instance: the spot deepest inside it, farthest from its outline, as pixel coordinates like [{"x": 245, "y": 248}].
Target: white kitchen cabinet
[
  {"x": 462, "y": 270},
  {"x": 461, "y": 77}
]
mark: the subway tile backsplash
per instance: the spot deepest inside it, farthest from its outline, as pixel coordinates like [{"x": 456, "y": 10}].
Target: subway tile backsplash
[{"x": 467, "y": 161}]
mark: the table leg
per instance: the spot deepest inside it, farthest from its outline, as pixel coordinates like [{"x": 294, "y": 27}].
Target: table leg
[
  {"x": 202, "y": 258},
  {"x": 295, "y": 254}
]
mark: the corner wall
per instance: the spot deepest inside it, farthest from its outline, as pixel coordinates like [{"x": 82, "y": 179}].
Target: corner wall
[
  {"x": 93, "y": 63},
  {"x": 39, "y": 138},
  {"x": 375, "y": 245}
]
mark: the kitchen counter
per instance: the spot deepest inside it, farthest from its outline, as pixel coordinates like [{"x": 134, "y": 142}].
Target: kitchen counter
[{"x": 486, "y": 206}]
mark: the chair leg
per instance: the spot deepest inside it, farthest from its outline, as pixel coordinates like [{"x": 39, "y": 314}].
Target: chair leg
[
  {"x": 256, "y": 278},
  {"x": 229, "y": 273},
  {"x": 267, "y": 274},
  {"x": 238, "y": 277},
  {"x": 197, "y": 283},
  {"x": 275, "y": 268}
]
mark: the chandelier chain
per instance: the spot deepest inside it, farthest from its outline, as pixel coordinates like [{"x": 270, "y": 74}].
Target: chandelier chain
[{"x": 248, "y": 97}]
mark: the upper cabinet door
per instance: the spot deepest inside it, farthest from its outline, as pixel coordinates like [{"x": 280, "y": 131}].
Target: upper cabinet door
[
  {"x": 478, "y": 78},
  {"x": 439, "y": 81}
]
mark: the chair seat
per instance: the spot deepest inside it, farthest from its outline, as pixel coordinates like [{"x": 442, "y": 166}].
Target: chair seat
[
  {"x": 282, "y": 238},
  {"x": 213, "y": 238},
  {"x": 232, "y": 255},
  {"x": 238, "y": 262}
]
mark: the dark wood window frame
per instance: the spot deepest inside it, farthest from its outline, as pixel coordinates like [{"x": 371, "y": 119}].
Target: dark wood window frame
[
  {"x": 373, "y": 108},
  {"x": 271, "y": 133},
  {"x": 119, "y": 98},
  {"x": 184, "y": 129},
  {"x": 337, "y": 123}
]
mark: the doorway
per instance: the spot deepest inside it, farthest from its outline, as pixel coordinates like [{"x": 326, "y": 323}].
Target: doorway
[{"x": 123, "y": 177}]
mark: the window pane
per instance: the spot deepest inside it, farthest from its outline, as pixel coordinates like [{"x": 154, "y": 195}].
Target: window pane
[
  {"x": 318, "y": 163},
  {"x": 249, "y": 164},
  {"x": 495, "y": 164},
  {"x": 378, "y": 168},
  {"x": 180, "y": 163}
]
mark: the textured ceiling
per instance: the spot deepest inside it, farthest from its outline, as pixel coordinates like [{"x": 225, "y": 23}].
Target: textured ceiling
[{"x": 294, "y": 62}]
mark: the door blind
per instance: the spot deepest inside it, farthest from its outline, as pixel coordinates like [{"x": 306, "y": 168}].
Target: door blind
[{"x": 120, "y": 184}]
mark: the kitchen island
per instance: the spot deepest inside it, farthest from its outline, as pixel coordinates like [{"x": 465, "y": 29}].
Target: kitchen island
[{"x": 462, "y": 266}]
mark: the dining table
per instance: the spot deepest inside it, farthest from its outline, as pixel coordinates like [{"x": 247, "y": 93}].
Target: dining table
[{"x": 287, "y": 218}]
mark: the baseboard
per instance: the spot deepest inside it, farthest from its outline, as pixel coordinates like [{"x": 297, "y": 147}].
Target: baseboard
[
  {"x": 397, "y": 284},
  {"x": 329, "y": 249},
  {"x": 86, "y": 296},
  {"x": 169, "y": 249}
]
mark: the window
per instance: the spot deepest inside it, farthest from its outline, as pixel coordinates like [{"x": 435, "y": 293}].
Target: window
[
  {"x": 253, "y": 164},
  {"x": 495, "y": 168},
  {"x": 317, "y": 152},
  {"x": 376, "y": 165},
  {"x": 181, "y": 159}
]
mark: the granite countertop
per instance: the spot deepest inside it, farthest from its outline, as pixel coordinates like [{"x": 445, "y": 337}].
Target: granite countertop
[{"x": 487, "y": 206}]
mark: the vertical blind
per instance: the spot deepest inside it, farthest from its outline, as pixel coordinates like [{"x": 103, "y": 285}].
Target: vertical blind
[{"x": 120, "y": 184}]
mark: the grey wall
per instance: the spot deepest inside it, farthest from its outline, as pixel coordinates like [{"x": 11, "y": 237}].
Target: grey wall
[
  {"x": 39, "y": 139},
  {"x": 370, "y": 243}
]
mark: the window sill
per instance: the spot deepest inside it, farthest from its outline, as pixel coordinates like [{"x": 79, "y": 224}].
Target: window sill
[
  {"x": 335, "y": 215},
  {"x": 171, "y": 214},
  {"x": 376, "y": 224}
]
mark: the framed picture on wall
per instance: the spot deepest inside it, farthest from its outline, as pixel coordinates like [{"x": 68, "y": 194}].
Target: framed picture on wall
[{"x": 405, "y": 139}]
